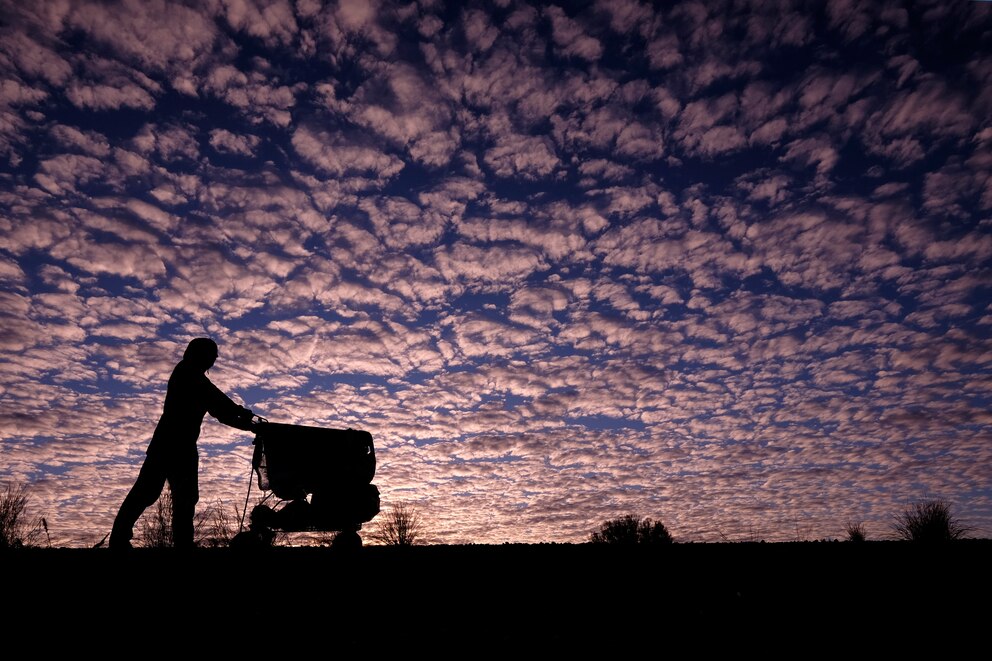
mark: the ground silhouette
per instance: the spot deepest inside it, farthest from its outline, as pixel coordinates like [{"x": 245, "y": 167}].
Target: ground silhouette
[{"x": 492, "y": 601}]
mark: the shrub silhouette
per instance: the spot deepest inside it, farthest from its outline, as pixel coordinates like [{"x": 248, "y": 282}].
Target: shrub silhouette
[
  {"x": 215, "y": 527},
  {"x": 629, "y": 530},
  {"x": 929, "y": 521},
  {"x": 402, "y": 525},
  {"x": 16, "y": 530},
  {"x": 856, "y": 531},
  {"x": 212, "y": 527}
]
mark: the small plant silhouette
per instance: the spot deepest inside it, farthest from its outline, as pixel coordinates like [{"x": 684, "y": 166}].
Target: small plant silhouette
[
  {"x": 401, "y": 525},
  {"x": 855, "y": 531},
  {"x": 628, "y": 529},
  {"x": 212, "y": 526},
  {"x": 929, "y": 520},
  {"x": 16, "y": 530},
  {"x": 155, "y": 530}
]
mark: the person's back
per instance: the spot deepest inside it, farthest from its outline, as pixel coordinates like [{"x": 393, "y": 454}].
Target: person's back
[{"x": 190, "y": 396}]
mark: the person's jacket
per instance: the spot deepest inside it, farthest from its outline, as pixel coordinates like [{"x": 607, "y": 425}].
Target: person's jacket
[{"x": 190, "y": 396}]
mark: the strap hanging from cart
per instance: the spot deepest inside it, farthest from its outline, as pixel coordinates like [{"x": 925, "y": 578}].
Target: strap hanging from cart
[{"x": 251, "y": 471}]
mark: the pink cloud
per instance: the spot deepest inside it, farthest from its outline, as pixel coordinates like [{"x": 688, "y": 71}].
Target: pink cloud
[
  {"x": 62, "y": 174},
  {"x": 401, "y": 223},
  {"x": 477, "y": 337},
  {"x": 627, "y": 15},
  {"x": 157, "y": 33},
  {"x": 902, "y": 151},
  {"x": 105, "y": 217},
  {"x": 712, "y": 70},
  {"x": 701, "y": 129},
  {"x": 260, "y": 97},
  {"x": 14, "y": 93},
  {"x": 931, "y": 107},
  {"x": 42, "y": 230},
  {"x": 774, "y": 189},
  {"x": 946, "y": 191},
  {"x": 906, "y": 66},
  {"x": 353, "y": 20},
  {"x": 762, "y": 102},
  {"x": 89, "y": 142},
  {"x": 816, "y": 151},
  {"x": 973, "y": 247},
  {"x": 140, "y": 262},
  {"x": 35, "y": 59},
  {"x": 402, "y": 108},
  {"x": 131, "y": 163},
  {"x": 849, "y": 17},
  {"x": 10, "y": 271},
  {"x": 429, "y": 26},
  {"x": 226, "y": 142},
  {"x": 666, "y": 102},
  {"x": 639, "y": 142},
  {"x": 663, "y": 52},
  {"x": 479, "y": 31},
  {"x": 653, "y": 246},
  {"x": 629, "y": 200},
  {"x": 718, "y": 140},
  {"x": 570, "y": 37},
  {"x": 336, "y": 156},
  {"x": 809, "y": 249},
  {"x": 273, "y": 22},
  {"x": 535, "y": 306},
  {"x": 768, "y": 26},
  {"x": 208, "y": 282},
  {"x": 494, "y": 266},
  {"x": 599, "y": 128},
  {"x": 605, "y": 169},
  {"x": 106, "y": 97},
  {"x": 414, "y": 281},
  {"x": 556, "y": 240},
  {"x": 524, "y": 156},
  {"x": 169, "y": 143}
]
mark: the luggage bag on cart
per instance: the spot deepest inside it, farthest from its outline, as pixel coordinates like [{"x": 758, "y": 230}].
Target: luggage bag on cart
[{"x": 323, "y": 476}]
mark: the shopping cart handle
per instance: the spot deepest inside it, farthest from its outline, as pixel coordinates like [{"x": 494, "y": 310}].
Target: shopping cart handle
[{"x": 255, "y": 421}]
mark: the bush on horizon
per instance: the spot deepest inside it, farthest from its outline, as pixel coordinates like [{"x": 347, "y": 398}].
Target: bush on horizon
[
  {"x": 856, "y": 531},
  {"x": 16, "y": 530},
  {"x": 629, "y": 530},
  {"x": 929, "y": 521}
]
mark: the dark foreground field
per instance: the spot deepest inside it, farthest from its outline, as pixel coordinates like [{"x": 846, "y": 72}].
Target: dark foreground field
[{"x": 687, "y": 600}]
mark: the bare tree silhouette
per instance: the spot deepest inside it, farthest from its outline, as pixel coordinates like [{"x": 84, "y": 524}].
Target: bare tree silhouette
[
  {"x": 401, "y": 525},
  {"x": 629, "y": 530},
  {"x": 16, "y": 529}
]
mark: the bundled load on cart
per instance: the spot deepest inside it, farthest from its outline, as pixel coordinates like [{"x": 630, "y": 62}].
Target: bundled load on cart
[{"x": 322, "y": 476}]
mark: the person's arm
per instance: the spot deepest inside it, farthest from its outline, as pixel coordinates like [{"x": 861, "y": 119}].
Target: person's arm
[{"x": 225, "y": 410}]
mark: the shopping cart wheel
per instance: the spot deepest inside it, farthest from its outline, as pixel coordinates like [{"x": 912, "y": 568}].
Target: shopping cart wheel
[
  {"x": 347, "y": 540},
  {"x": 256, "y": 537}
]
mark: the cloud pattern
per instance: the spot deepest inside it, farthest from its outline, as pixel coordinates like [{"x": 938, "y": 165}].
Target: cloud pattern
[{"x": 724, "y": 264}]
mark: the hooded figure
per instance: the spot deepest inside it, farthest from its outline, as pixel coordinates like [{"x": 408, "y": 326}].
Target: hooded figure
[{"x": 171, "y": 456}]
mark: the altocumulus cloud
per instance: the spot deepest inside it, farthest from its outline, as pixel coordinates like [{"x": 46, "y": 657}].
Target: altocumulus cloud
[{"x": 723, "y": 264}]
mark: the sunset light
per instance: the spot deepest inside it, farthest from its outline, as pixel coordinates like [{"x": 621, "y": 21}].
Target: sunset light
[{"x": 721, "y": 264}]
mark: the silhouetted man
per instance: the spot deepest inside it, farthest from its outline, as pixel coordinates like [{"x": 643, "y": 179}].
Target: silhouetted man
[{"x": 171, "y": 454}]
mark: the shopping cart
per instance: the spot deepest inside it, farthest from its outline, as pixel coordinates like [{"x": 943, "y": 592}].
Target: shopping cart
[{"x": 323, "y": 478}]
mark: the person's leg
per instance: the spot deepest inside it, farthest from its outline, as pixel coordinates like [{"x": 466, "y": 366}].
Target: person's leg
[
  {"x": 185, "y": 494},
  {"x": 146, "y": 490}
]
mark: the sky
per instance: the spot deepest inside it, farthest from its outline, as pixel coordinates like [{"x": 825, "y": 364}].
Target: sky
[{"x": 725, "y": 265}]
